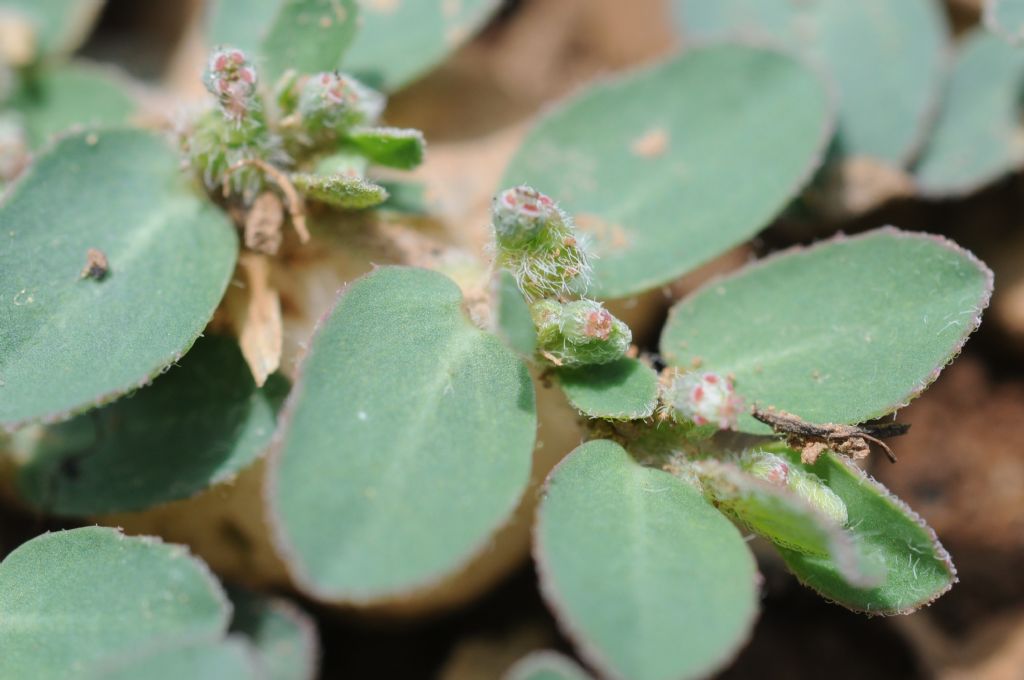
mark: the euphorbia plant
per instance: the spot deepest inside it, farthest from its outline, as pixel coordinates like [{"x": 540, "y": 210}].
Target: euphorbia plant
[{"x": 405, "y": 442}]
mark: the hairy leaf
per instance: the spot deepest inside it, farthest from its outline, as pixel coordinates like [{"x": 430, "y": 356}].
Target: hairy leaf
[
  {"x": 407, "y": 441},
  {"x": 977, "y": 137},
  {"x": 83, "y": 599},
  {"x": 199, "y": 424},
  {"x": 68, "y": 342},
  {"x": 626, "y": 389},
  {"x": 393, "y": 147},
  {"x": 1005, "y": 18},
  {"x": 917, "y": 568},
  {"x": 340, "y": 191},
  {"x": 649, "y": 580},
  {"x": 230, "y": 659},
  {"x": 887, "y": 59},
  {"x": 841, "y": 332},
  {"x": 667, "y": 167}
]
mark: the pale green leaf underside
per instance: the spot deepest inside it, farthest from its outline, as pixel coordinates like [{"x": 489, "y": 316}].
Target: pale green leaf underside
[
  {"x": 229, "y": 659},
  {"x": 74, "y": 600},
  {"x": 842, "y": 332},
  {"x": 59, "y": 26},
  {"x": 57, "y": 98},
  {"x": 283, "y": 637},
  {"x": 917, "y": 568},
  {"x": 308, "y": 36},
  {"x": 670, "y": 166},
  {"x": 546, "y": 665},
  {"x": 626, "y": 389},
  {"x": 977, "y": 138},
  {"x": 408, "y": 440},
  {"x": 1005, "y": 18},
  {"x": 399, "y": 41},
  {"x": 68, "y": 342},
  {"x": 650, "y": 581},
  {"x": 340, "y": 191},
  {"x": 887, "y": 59},
  {"x": 198, "y": 424}
]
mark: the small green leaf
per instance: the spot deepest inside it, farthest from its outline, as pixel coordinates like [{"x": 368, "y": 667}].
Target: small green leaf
[
  {"x": 76, "y": 600},
  {"x": 394, "y": 147},
  {"x": 307, "y": 36},
  {"x": 230, "y": 659},
  {"x": 199, "y": 424},
  {"x": 341, "y": 191},
  {"x": 977, "y": 137},
  {"x": 1005, "y": 18},
  {"x": 842, "y": 332},
  {"x": 406, "y": 442},
  {"x": 657, "y": 164},
  {"x": 515, "y": 325},
  {"x": 650, "y": 581},
  {"x": 626, "y": 389},
  {"x": 918, "y": 569},
  {"x": 546, "y": 665},
  {"x": 284, "y": 637},
  {"x": 68, "y": 342},
  {"x": 887, "y": 59},
  {"x": 57, "y": 98},
  {"x": 59, "y": 26},
  {"x": 400, "y": 41}
]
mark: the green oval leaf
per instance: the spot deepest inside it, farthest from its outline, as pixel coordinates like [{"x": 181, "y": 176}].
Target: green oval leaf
[
  {"x": 198, "y": 425},
  {"x": 68, "y": 342},
  {"x": 546, "y": 665},
  {"x": 407, "y": 441},
  {"x": 657, "y": 164},
  {"x": 401, "y": 40},
  {"x": 75, "y": 600},
  {"x": 977, "y": 137},
  {"x": 57, "y": 98},
  {"x": 842, "y": 332},
  {"x": 917, "y": 568},
  {"x": 887, "y": 59},
  {"x": 649, "y": 580},
  {"x": 283, "y": 636},
  {"x": 230, "y": 659},
  {"x": 59, "y": 26},
  {"x": 626, "y": 389}
]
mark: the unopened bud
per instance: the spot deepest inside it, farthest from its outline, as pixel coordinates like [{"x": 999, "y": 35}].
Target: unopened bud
[
  {"x": 231, "y": 77},
  {"x": 702, "y": 398},
  {"x": 332, "y": 103},
  {"x": 538, "y": 244},
  {"x": 778, "y": 471},
  {"x": 578, "y": 333}
]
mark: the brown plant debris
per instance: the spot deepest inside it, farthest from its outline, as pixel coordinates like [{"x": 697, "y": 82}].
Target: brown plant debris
[
  {"x": 263, "y": 224},
  {"x": 96, "y": 265},
  {"x": 296, "y": 209},
  {"x": 813, "y": 439},
  {"x": 253, "y": 310}
]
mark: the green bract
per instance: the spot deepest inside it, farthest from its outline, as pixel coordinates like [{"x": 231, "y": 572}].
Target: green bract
[
  {"x": 68, "y": 342},
  {"x": 657, "y": 164}
]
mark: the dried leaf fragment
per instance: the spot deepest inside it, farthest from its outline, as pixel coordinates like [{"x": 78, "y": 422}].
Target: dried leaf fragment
[
  {"x": 813, "y": 439},
  {"x": 263, "y": 224},
  {"x": 253, "y": 310}
]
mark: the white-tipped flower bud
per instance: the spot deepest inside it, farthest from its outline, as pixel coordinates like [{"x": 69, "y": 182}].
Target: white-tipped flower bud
[{"x": 702, "y": 398}]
